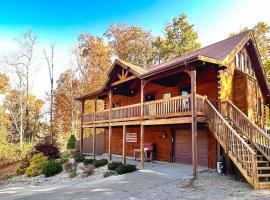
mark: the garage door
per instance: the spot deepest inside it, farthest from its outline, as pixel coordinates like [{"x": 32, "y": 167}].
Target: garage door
[{"x": 183, "y": 151}]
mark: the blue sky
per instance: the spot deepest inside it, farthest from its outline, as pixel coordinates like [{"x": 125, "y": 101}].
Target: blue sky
[{"x": 63, "y": 21}]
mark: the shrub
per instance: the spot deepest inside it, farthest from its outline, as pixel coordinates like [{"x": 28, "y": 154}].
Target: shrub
[
  {"x": 109, "y": 173},
  {"x": 64, "y": 157},
  {"x": 72, "y": 174},
  {"x": 114, "y": 165},
  {"x": 100, "y": 163},
  {"x": 49, "y": 150},
  {"x": 89, "y": 161},
  {"x": 37, "y": 163},
  {"x": 71, "y": 142},
  {"x": 123, "y": 169},
  {"x": 52, "y": 168},
  {"x": 79, "y": 157},
  {"x": 20, "y": 170}
]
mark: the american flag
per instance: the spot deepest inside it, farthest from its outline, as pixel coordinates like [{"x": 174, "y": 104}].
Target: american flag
[{"x": 131, "y": 137}]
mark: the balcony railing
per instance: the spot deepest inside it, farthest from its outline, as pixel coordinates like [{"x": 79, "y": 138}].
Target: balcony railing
[{"x": 164, "y": 108}]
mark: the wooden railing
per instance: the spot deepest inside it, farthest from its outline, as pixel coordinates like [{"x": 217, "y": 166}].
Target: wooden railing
[
  {"x": 175, "y": 106},
  {"x": 127, "y": 112},
  {"x": 167, "y": 107},
  {"x": 239, "y": 151},
  {"x": 251, "y": 131}
]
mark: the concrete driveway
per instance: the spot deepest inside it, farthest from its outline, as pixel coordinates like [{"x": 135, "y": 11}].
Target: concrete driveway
[{"x": 117, "y": 187}]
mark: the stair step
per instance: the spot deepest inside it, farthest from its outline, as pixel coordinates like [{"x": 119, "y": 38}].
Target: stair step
[
  {"x": 263, "y": 168},
  {"x": 263, "y": 175},
  {"x": 262, "y": 161}
]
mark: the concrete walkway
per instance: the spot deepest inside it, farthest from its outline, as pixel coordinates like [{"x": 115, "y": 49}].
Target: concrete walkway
[{"x": 115, "y": 187}]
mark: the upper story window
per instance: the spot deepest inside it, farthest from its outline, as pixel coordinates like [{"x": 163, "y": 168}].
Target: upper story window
[
  {"x": 243, "y": 64},
  {"x": 237, "y": 61},
  {"x": 150, "y": 97},
  {"x": 184, "y": 91}
]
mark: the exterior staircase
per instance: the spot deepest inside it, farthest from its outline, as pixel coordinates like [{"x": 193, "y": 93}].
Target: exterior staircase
[{"x": 244, "y": 142}]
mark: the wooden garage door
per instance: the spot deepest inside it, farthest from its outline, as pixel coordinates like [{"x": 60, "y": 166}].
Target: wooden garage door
[{"x": 183, "y": 151}]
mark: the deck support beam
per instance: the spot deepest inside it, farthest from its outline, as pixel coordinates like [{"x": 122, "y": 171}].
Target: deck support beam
[
  {"x": 143, "y": 83},
  {"x": 110, "y": 127},
  {"x": 94, "y": 129},
  {"x": 194, "y": 123},
  {"x": 81, "y": 132},
  {"x": 124, "y": 144}
]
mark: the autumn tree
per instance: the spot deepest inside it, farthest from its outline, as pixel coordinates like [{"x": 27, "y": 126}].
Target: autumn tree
[
  {"x": 179, "y": 38},
  {"x": 67, "y": 110},
  {"x": 132, "y": 44},
  {"x": 94, "y": 61}
]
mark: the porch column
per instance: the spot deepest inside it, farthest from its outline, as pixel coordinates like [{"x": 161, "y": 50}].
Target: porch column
[
  {"x": 110, "y": 127},
  {"x": 94, "y": 129},
  {"x": 124, "y": 144},
  {"x": 81, "y": 133},
  {"x": 194, "y": 123},
  {"x": 142, "y": 127}
]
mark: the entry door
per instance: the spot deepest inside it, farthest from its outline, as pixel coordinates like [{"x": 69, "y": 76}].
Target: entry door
[{"x": 183, "y": 147}]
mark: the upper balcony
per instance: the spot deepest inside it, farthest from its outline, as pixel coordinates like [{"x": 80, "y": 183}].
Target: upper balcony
[{"x": 171, "y": 110}]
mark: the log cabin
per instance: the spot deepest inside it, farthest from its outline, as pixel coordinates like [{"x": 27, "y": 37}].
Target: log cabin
[{"x": 193, "y": 109}]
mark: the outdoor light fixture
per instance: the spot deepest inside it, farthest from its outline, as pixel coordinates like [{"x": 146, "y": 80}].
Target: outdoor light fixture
[{"x": 163, "y": 135}]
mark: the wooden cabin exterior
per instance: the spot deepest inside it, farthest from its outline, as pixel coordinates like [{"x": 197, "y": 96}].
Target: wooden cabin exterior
[{"x": 192, "y": 108}]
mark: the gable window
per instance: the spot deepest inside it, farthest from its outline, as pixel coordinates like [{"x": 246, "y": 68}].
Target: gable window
[
  {"x": 243, "y": 62},
  {"x": 237, "y": 63},
  {"x": 150, "y": 97},
  {"x": 259, "y": 107}
]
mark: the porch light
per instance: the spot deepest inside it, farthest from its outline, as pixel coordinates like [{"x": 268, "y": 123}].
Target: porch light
[
  {"x": 163, "y": 135},
  {"x": 132, "y": 91}
]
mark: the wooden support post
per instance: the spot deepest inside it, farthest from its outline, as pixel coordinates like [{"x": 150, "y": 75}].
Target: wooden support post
[
  {"x": 194, "y": 123},
  {"x": 81, "y": 134},
  {"x": 94, "y": 129},
  {"x": 142, "y": 127},
  {"x": 110, "y": 127},
  {"x": 142, "y": 146},
  {"x": 124, "y": 144},
  {"x": 94, "y": 142}
]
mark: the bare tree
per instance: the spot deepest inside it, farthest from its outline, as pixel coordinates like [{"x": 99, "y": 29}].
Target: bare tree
[
  {"x": 20, "y": 62},
  {"x": 50, "y": 63}
]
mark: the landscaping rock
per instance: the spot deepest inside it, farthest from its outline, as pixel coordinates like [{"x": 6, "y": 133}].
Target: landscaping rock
[
  {"x": 69, "y": 166},
  {"x": 84, "y": 170}
]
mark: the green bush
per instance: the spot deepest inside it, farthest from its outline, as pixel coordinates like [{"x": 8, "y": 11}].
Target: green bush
[
  {"x": 123, "y": 169},
  {"x": 52, "y": 168},
  {"x": 71, "y": 142},
  {"x": 89, "y": 161},
  {"x": 109, "y": 173},
  {"x": 37, "y": 163},
  {"x": 21, "y": 169},
  {"x": 72, "y": 174},
  {"x": 64, "y": 157},
  {"x": 114, "y": 165},
  {"x": 100, "y": 163},
  {"x": 79, "y": 157}
]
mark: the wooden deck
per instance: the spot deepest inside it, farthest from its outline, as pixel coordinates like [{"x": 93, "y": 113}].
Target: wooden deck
[{"x": 175, "y": 110}]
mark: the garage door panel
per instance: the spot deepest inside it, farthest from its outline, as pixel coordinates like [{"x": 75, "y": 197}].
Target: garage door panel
[{"x": 183, "y": 150}]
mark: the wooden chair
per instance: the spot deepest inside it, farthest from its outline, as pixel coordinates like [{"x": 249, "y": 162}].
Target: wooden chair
[{"x": 148, "y": 150}]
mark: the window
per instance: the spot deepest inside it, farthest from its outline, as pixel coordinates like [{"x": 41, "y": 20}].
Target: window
[
  {"x": 243, "y": 62},
  {"x": 116, "y": 104},
  {"x": 150, "y": 97},
  {"x": 259, "y": 107},
  {"x": 237, "y": 61},
  {"x": 185, "y": 91}
]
